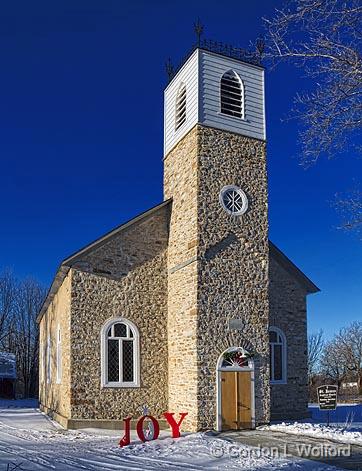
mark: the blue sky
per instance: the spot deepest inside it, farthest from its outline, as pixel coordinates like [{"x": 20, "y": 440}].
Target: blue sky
[{"x": 81, "y": 123}]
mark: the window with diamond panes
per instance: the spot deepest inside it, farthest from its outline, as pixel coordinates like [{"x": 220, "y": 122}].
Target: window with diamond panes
[
  {"x": 127, "y": 360},
  {"x": 121, "y": 354}
]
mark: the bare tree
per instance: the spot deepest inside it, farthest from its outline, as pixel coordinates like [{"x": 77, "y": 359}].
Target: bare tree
[
  {"x": 323, "y": 37},
  {"x": 30, "y": 296},
  {"x": 349, "y": 341},
  {"x": 315, "y": 349},
  {"x": 7, "y": 299},
  {"x": 20, "y": 302},
  {"x": 332, "y": 364},
  {"x": 349, "y": 206}
]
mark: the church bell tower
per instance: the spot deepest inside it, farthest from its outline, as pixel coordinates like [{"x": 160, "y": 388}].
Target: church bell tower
[{"x": 215, "y": 173}]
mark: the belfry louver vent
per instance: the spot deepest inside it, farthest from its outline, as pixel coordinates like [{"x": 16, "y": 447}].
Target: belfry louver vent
[
  {"x": 231, "y": 95},
  {"x": 180, "y": 106}
]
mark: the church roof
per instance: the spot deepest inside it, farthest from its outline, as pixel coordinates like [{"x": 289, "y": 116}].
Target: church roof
[
  {"x": 292, "y": 269},
  {"x": 72, "y": 260}
]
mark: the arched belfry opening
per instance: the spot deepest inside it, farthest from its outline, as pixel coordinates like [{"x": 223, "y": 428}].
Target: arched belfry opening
[
  {"x": 180, "y": 106},
  {"x": 232, "y": 94}
]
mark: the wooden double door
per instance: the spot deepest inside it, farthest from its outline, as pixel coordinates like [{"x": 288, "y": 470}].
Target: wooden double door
[{"x": 236, "y": 400}]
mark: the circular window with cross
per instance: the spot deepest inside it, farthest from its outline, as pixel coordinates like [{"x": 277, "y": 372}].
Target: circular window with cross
[{"x": 233, "y": 200}]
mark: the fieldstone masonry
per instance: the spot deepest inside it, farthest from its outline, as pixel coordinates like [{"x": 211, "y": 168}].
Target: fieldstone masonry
[
  {"x": 207, "y": 287},
  {"x": 233, "y": 283},
  {"x": 125, "y": 277},
  {"x": 288, "y": 311}
]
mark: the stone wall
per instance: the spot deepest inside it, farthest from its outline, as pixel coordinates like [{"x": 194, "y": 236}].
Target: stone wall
[
  {"x": 181, "y": 183},
  {"x": 233, "y": 268},
  {"x": 136, "y": 257},
  {"x": 226, "y": 262},
  {"x": 123, "y": 251},
  {"x": 288, "y": 312},
  {"x": 55, "y": 397}
]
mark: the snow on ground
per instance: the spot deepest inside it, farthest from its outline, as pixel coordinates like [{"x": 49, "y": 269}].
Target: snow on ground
[
  {"x": 346, "y": 415},
  {"x": 345, "y": 424},
  {"x": 318, "y": 431},
  {"x": 33, "y": 442}
]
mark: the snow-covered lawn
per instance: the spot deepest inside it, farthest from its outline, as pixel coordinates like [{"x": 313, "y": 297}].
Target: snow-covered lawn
[
  {"x": 346, "y": 415},
  {"x": 345, "y": 424},
  {"x": 32, "y": 441},
  {"x": 322, "y": 431}
]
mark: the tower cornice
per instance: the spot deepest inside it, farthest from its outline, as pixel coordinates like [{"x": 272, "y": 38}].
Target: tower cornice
[{"x": 221, "y": 49}]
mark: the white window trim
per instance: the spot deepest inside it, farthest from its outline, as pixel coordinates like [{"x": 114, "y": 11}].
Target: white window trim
[
  {"x": 43, "y": 359},
  {"x": 242, "y": 96},
  {"x": 241, "y": 193},
  {"x": 48, "y": 361},
  {"x": 59, "y": 356},
  {"x": 104, "y": 356},
  {"x": 284, "y": 357}
]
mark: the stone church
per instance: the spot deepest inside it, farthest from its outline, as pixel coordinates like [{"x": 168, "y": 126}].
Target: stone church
[{"x": 188, "y": 307}]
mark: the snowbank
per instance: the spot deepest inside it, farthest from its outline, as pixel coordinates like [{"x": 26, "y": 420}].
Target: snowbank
[{"x": 335, "y": 433}]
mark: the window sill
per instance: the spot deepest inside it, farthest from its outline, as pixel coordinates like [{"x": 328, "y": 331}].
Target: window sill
[
  {"x": 120, "y": 386},
  {"x": 278, "y": 382}
]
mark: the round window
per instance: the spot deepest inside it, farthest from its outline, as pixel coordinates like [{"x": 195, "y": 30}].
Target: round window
[{"x": 233, "y": 200}]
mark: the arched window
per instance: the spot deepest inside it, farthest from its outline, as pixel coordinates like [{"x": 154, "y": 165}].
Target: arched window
[
  {"x": 180, "y": 106},
  {"x": 120, "y": 354},
  {"x": 232, "y": 94},
  {"x": 278, "y": 356},
  {"x": 235, "y": 358}
]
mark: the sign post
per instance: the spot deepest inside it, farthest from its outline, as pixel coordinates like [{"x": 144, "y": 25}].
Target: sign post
[{"x": 327, "y": 398}]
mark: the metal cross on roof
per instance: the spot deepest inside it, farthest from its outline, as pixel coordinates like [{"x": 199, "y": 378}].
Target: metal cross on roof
[
  {"x": 170, "y": 70},
  {"x": 199, "y": 29}
]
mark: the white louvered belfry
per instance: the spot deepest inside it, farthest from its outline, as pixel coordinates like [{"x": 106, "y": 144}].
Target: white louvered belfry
[
  {"x": 216, "y": 91},
  {"x": 180, "y": 107},
  {"x": 231, "y": 95}
]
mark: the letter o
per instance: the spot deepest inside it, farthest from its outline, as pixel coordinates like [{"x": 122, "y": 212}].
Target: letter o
[{"x": 156, "y": 428}]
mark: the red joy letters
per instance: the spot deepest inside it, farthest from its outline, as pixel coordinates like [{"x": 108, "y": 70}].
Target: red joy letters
[{"x": 175, "y": 427}]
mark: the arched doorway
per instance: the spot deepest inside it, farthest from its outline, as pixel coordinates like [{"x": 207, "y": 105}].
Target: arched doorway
[{"x": 235, "y": 390}]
